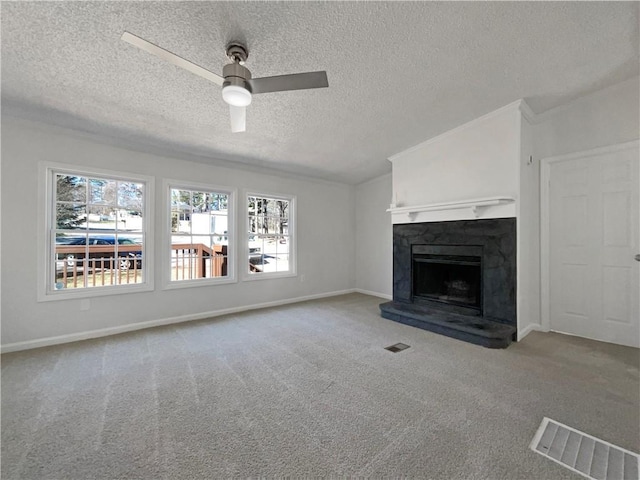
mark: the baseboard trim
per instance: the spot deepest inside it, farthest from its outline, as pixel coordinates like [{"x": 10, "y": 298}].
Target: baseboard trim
[
  {"x": 530, "y": 328},
  {"x": 611, "y": 342},
  {"x": 373, "y": 294},
  {"x": 105, "y": 332}
]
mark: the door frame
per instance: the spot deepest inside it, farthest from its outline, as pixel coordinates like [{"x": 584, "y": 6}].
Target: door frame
[{"x": 545, "y": 178}]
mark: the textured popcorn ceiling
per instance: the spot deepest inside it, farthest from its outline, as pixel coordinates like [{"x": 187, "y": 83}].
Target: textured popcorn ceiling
[{"x": 399, "y": 73}]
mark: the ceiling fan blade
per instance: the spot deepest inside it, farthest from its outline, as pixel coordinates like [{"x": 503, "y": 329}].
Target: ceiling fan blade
[
  {"x": 238, "y": 119},
  {"x": 296, "y": 81},
  {"x": 167, "y": 56}
]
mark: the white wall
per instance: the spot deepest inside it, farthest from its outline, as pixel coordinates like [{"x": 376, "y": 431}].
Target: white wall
[
  {"x": 606, "y": 117},
  {"x": 325, "y": 237},
  {"x": 528, "y": 231},
  {"x": 475, "y": 160},
  {"x": 374, "y": 237}
]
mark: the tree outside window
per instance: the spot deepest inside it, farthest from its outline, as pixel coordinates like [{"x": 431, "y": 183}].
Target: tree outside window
[{"x": 269, "y": 235}]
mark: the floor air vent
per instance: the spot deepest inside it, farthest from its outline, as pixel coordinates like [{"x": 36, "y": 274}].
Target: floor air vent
[
  {"x": 398, "y": 347},
  {"x": 583, "y": 453}
]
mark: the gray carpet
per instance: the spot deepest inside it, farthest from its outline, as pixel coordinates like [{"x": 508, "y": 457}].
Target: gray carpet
[{"x": 307, "y": 390}]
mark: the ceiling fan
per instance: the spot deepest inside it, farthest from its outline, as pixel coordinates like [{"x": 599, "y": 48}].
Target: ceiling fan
[{"x": 236, "y": 82}]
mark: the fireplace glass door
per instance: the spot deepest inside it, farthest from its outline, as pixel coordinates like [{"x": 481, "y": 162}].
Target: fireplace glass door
[{"x": 449, "y": 279}]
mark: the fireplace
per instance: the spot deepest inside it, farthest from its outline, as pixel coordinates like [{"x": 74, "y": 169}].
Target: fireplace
[
  {"x": 457, "y": 278},
  {"x": 450, "y": 276}
]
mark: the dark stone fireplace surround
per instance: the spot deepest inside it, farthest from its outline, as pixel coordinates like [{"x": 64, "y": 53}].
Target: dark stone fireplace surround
[{"x": 494, "y": 240}]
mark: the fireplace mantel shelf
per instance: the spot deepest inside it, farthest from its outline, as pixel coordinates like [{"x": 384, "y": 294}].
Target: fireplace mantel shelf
[{"x": 476, "y": 206}]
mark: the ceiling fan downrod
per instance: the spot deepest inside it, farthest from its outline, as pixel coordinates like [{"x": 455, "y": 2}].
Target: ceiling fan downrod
[{"x": 237, "y": 53}]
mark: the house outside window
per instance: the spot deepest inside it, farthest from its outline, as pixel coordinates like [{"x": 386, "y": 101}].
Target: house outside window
[
  {"x": 270, "y": 236},
  {"x": 201, "y": 247},
  {"x": 97, "y": 230}
]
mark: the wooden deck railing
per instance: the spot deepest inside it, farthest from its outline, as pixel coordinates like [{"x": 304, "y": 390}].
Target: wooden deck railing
[
  {"x": 189, "y": 261},
  {"x": 192, "y": 260},
  {"x": 101, "y": 268}
]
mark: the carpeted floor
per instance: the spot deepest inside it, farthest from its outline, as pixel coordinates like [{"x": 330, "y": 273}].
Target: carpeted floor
[{"x": 307, "y": 390}]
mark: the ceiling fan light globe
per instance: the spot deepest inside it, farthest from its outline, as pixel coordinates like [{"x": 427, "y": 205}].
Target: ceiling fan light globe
[{"x": 236, "y": 96}]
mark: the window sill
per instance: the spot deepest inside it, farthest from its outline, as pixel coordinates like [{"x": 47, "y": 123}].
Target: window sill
[
  {"x": 208, "y": 282},
  {"x": 267, "y": 276},
  {"x": 94, "y": 292}
]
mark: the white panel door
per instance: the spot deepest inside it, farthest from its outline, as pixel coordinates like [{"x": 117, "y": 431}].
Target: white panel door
[{"x": 594, "y": 279}]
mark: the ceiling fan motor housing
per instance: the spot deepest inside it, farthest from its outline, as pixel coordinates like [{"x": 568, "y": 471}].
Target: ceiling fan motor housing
[{"x": 237, "y": 75}]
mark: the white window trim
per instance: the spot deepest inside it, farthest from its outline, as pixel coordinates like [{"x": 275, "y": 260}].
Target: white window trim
[
  {"x": 167, "y": 283},
  {"x": 45, "y": 241},
  {"x": 293, "y": 241}
]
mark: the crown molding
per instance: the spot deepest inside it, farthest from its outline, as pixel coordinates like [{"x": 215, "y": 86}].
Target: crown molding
[
  {"x": 25, "y": 119},
  {"x": 529, "y": 115},
  {"x": 375, "y": 179}
]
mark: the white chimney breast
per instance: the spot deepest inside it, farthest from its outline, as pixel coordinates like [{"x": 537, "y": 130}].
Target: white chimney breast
[{"x": 475, "y": 161}]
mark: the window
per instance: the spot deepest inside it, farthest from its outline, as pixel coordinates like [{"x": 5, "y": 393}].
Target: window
[
  {"x": 200, "y": 231},
  {"x": 98, "y": 233},
  {"x": 270, "y": 236}
]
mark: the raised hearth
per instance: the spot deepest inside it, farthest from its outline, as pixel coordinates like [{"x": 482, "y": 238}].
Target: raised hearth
[
  {"x": 456, "y": 278},
  {"x": 476, "y": 330}
]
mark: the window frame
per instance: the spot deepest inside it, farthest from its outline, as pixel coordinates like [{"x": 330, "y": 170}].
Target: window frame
[
  {"x": 46, "y": 240},
  {"x": 293, "y": 253},
  {"x": 167, "y": 282}
]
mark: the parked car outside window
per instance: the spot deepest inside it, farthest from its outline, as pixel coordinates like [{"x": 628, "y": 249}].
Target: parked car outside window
[{"x": 99, "y": 240}]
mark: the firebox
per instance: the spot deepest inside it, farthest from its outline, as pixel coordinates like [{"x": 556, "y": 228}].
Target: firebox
[{"x": 449, "y": 275}]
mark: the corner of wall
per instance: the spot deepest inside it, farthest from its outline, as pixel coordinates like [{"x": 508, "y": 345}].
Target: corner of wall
[{"x": 373, "y": 237}]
